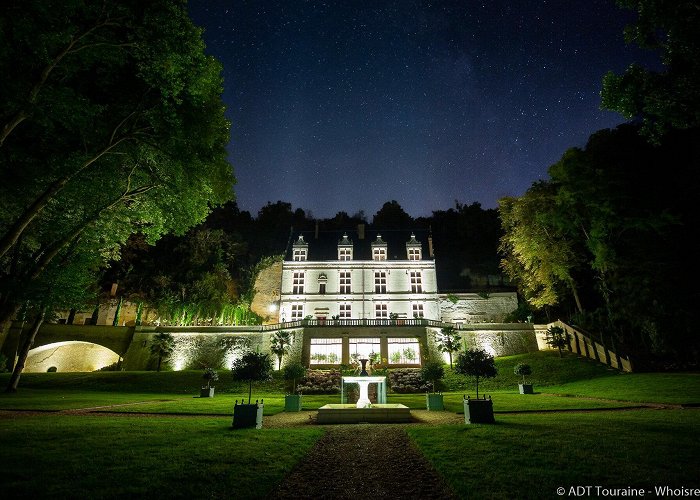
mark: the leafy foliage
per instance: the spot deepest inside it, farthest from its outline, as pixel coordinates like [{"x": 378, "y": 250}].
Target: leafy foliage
[
  {"x": 292, "y": 372},
  {"x": 252, "y": 367},
  {"x": 557, "y": 337},
  {"x": 320, "y": 382},
  {"x": 210, "y": 375},
  {"x": 448, "y": 340},
  {"x": 432, "y": 371},
  {"x": 668, "y": 99},
  {"x": 522, "y": 369},
  {"x": 476, "y": 363},
  {"x": 280, "y": 343},
  {"x": 162, "y": 346},
  {"x": 407, "y": 380}
]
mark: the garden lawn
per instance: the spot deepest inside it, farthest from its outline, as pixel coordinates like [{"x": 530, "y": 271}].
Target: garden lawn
[
  {"x": 530, "y": 456},
  {"x": 672, "y": 388},
  {"x": 156, "y": 457}
]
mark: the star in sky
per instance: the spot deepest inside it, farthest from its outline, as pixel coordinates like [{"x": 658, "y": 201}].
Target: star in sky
[{"x": 346, "y": 105}]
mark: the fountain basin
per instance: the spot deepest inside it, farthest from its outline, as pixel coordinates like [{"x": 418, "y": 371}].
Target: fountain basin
[{"x": 350, "y": 414}]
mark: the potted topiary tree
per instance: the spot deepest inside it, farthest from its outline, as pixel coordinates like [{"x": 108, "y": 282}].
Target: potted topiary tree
[
  {"x": 477, "y": 363},
  {"x": 292, "y": 372},
  {"x": 432, "y": 372},
  {"x": 250, "y": 367},
  {"x": 523, "y": 369},
  {"x": 210, "y": 375}
]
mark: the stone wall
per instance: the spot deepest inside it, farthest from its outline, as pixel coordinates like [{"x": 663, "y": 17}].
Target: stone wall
[
  {"x": 475, "y": 308},
  {"x": 267, "y": 287}
]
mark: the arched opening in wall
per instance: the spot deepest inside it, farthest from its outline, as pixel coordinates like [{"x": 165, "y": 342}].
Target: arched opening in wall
[{"x": 70, "y": 357}]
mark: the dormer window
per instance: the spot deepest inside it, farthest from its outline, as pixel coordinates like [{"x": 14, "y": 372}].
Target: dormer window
[
  {"x": 300, "y": 249},
  {"x": 379, "y": 248},
  {"x": 414, "y": 248},
  {"x": 345, "y": 248}
]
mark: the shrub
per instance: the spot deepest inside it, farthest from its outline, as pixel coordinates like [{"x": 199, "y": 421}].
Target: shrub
[
  {"x": 292, "y": 372},
  {"x": 476, "y": 363},
  {"x": 407, "y": 380},
  {"x": 252, "y": 367},
  {"x": 210, "y": 375},
  {"x": 320, "y": 382},
  {"x": 432, "y": 371},
  {"x": 522, "y": 369}
]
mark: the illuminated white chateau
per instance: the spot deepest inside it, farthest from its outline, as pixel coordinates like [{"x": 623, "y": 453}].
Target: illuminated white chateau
[
  {"x": 365, "y": 297},
  {"x": 359, "y": 288}
]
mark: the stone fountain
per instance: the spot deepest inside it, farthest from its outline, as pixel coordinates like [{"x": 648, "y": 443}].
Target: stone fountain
[{"x": 364, "y": 410}]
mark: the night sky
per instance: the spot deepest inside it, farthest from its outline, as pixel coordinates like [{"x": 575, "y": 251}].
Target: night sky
[{"x": 344, "y": 105}]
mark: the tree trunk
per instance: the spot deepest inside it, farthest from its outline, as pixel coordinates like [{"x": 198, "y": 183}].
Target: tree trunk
[
  {"x": 24, "y": 352},
  {"x": 160, "y": 359},
  {"x": 250, "y": 390},
  {"x": 477, "y": 387}
]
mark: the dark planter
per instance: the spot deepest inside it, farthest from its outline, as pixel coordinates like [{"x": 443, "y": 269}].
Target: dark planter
[
  {"x": 434, "y": 402},
  {"x": 247, "y": 415},
  {"x": 292, "y": 402},
  {"x": 525, "y": 388},
  {"x": 206, "y": 392},
  {"x": 478, "y": 411}
]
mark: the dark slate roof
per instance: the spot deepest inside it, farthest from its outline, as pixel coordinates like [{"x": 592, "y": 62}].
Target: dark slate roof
[{"x": 323, "y": 246}]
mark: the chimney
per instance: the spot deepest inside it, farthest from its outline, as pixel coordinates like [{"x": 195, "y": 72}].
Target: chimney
[
  {"x": 360, "y": 231},
  {"x": 430, "y": 246}
]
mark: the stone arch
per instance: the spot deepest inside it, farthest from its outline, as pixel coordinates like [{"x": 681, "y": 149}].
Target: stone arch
[{"x": 70, "y": 356}]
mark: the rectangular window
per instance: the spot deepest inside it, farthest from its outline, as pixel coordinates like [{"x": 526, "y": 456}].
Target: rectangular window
[
  {"x": 345, "y": 254},
  {"x": 364, "y": 348},
  {"x": 321, "y": 288},
  {"x": 380, "y": 282},
  {"x": 417, "y": 310},
  {"x": 344, "y": 311},
  {"x": 344, "y": 282},
  {"x": 299, "y": 255},
  {"x": 416, "y": 282},
  {"x": 379, "y": 254},
  {"x": 414, "y": 254},
  {"x": 381, "y": 311},
  {"x": 297, "y": 312},
  {"x": 298, "y": 283},
  {"x": 404, "y": 351},
  {"x": 326, "y": 351}
]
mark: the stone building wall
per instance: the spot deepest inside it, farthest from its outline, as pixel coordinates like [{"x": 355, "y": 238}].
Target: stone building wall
[{"x": 465, "y": 308}]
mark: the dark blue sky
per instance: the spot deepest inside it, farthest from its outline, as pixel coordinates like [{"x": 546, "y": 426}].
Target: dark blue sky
[{"x": 344, "y": 105}]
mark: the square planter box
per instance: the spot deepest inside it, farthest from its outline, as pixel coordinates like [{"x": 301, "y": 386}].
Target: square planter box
[
  {"x": 526, "y": 389},
  {"x": 478, "y": 411},
  {"x": 292, "y": 402},
  {"x": 247, "y": 415},
  {"x": 206, "y": 392},
  {"x": 434, "y": 402}
]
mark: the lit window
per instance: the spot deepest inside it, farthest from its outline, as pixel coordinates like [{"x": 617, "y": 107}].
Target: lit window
[
  {"x": 364, "y": 348},
  {"x": 299, "y": 254},
  {"x": 404, "y": 351},
  {"x": 344, "y": 282},
  {"x": 379, "y": 254},
  {"x": 414, "y": 254},
  {"x": 417, "y": 310},
  {"x": 345, "y": 311},
  {"x": 416, "y": 282},
  {"x": 345, "y": 254},
  {"x": 381, "y": 310},
  {"x": 326, "y": 351},
  {"x": 298, "y": 283},
  {"x": 380, "y": 282},
  {"x": 297, "y": 312}
]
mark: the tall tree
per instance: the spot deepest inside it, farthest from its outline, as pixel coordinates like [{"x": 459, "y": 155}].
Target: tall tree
[
  {"x": 664, "y": 99},
  {"x": 111, "y": 124}
]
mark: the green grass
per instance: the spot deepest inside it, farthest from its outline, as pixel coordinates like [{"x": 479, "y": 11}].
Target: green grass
[
  {"x": 127, "y": 457},
  {"x": 529, "y": 456},
  {"x": 673, "y": 388},
  {"x": 524, "y": 455}
]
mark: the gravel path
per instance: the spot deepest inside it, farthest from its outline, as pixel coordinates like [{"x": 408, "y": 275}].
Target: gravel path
[{"x": 375, "y": 461}]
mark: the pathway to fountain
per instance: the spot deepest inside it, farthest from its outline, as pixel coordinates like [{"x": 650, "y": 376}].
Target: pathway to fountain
[{"x": 364, "y": 461}]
